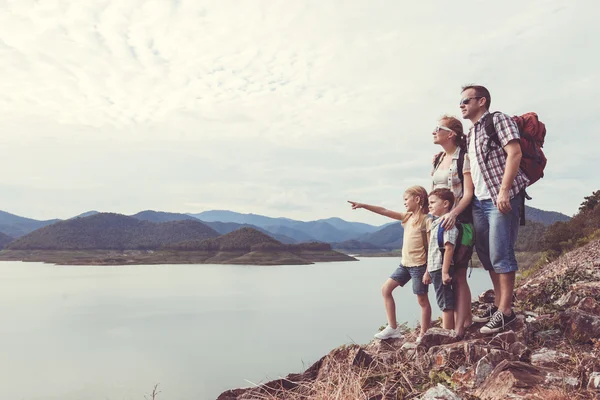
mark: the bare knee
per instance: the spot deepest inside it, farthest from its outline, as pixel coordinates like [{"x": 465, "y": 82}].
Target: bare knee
[
  {"x": 423, "y": 300},
  {"x": 387, "y": 288}
]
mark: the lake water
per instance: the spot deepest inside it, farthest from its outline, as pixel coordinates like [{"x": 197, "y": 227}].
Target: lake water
[{"x": 112, "y": 333}]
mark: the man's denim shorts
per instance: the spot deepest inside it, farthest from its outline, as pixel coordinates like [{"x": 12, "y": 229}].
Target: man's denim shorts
[
  {"x": 404, "y": 274},
  {"x": 444, "y": 294}
]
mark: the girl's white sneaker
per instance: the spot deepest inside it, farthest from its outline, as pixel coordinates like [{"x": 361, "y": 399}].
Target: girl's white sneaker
[{"x": 389, "y": 333}]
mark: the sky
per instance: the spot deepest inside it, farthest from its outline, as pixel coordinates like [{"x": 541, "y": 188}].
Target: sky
[{"x": 278, "y": 108}]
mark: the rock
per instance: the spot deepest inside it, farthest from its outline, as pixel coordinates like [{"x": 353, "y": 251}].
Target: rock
[
  {"x": 589, "y": 305},
  {"x": 464, "y": 376},
  {"x": 551, "y": 336},
  {"x": 545, "y": 357},
  {"x": 560, "y": 380},
  {"x": 486, "y": 365},
  {"x": 503, "y": 340},
  {"x": 438, "y": 336},
  {"x": 449, "y": 354},
  {"x": 520, "y": 351},
  {"x": 594, "y": 382},
  {"x": 487, "y": 297},
  {"x": 568, "y": 299},
  {"x": 409, "y": 348},
  {"x": 439, "y": 392},
  {"x": 509, "y": 377},
  {"x": 579, "y": 325},
  {"x": 362, "y": 359}
]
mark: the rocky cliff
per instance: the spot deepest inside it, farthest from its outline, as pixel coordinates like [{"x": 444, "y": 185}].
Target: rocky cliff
[{"x": 551, "y": 352}]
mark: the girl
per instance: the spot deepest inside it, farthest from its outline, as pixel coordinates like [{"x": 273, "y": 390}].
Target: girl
[
  {"x": 451, "y": 172},
  {"x": 416, "y": 225}
]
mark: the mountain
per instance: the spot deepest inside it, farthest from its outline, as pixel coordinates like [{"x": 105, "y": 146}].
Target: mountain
[
  {"x": 86, "y": 214},
  {"x": 226, "y": 227},
  {"x": 544, "y": 217},
  {"x": 160, "y": 216},
  {"x": 16, "y": 226},
  {"x": 221, "y": 227},
  {"x": 231, "y": 216},
  {"x": 389, "y": 237},
  {"x": 111, "y": 231},
  {"x": 324, "y": 230},
  {"x": 354, "y": 245},
  {"x": 4, "y": 240},
  {"x": 241, "y": 240},
  {"x": 354, "y": 227}
]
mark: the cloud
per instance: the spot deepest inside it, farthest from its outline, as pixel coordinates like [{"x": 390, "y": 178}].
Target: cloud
[{"x": 276, "y": 108}]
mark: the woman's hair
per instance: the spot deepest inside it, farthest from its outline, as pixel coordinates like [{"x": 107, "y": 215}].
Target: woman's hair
[
  {"x": 444, "y": 195},
  {"x": 421, "y": 193},
  {"x": 457, "y": 127}
]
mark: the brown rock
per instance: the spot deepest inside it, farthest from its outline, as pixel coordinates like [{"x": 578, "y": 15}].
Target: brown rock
[
  {"x": 487, "y": 297},
  {"x": 438, "y": 336},
  {"x": 503, "y": 340},
  {"x": 589, "y": 305},
  {"x": 507, "y": 378},
  {"x": 520, "y": 351},
  {"x": 486, "y": 365},
  {"x": 549, "y": 336},
  {"x": 362, "y": 359},
  {"x": 580, "y": 326},
  {"x": 464, "y": 376}
]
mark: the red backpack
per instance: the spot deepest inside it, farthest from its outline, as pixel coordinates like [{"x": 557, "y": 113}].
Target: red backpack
[{"x": 533, "y": 133}]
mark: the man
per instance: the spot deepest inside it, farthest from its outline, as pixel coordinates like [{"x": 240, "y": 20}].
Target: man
[{"x": 498, "y": 196}]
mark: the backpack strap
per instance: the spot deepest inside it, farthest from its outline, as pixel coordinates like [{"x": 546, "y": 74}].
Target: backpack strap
[
  {"x": 490, "y": 131},
  {"x": 437, "y": 160},
  {"x": 424, "y": 233},
  {"x": 460, "y": 165},
  {"x": 440, "y": 238}
]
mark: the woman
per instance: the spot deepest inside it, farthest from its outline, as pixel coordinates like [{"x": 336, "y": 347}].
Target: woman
[{"x": 450, "y": 172}]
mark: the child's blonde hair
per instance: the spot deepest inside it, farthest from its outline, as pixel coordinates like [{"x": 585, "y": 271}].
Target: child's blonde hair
[{"x": 423, "y": 201}]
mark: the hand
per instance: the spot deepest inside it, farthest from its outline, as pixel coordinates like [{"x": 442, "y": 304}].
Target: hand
[
  {"x": 448, "y": 220},
  {"x": 503, "y": 202},
  {"x": 356, "y": 205},
  {"x": 446, "y": 278},
  {"x": 426, "y": 278}
]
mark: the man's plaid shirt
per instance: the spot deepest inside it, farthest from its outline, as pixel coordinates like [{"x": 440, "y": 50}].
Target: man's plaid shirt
[{"x": 493, "y": 169}]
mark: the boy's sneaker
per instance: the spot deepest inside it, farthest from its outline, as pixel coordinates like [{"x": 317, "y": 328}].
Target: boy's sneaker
[
  {"x": 498, "y": 322},
  {"x": 389, "y": 333},
  {"x": 486, "y": 315}
]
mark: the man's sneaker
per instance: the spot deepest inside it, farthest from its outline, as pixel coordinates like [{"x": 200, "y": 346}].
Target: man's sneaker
[
  {"x": 486, "y": 315},
  {"x": 389, "y": 333},
  {"x": 498, "y": 322}
]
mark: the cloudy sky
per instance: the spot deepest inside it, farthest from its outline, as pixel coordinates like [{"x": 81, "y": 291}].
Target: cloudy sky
[{"x": 281, "y": 108}]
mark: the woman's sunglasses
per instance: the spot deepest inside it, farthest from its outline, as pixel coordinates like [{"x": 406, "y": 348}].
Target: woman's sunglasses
[{"x": 442, "y": 128}]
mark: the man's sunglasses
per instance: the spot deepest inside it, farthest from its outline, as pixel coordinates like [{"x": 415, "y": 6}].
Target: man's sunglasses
[
  {"x": 442, "y": 128},
  {"x": 466, "y": 100}
]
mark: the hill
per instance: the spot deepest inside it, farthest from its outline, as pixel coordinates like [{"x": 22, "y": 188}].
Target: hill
[
  {"x": 544, "y": 217},
  {"x": 111, "y": 231},
  {"x": 4, "y": 240},
  {"x": 160, "y": 216},
  {"x": 240, "y": 240},
  {"x": 16, "y": 226},
  {"x": 389, "y": 237}
]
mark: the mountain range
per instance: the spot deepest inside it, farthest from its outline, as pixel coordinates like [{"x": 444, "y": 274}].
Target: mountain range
[{"x": 336, "y": 231}]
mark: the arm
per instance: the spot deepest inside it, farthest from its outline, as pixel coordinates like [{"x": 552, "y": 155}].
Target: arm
[
  {"x": 379, "y": 210},
  {"x": 449, "y": 220},
  {"x": 448, "y": 253},
  {"x": 426, "y": 276},
  {"x": 513, "y": 159}
]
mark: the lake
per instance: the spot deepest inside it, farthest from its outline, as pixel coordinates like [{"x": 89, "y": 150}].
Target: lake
[{"x": 112, "y": 333}]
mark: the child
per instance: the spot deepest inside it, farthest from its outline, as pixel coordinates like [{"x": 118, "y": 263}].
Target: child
[
  {"x": 416, "y": 224},
  {"x": 439, "y": 264}
]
